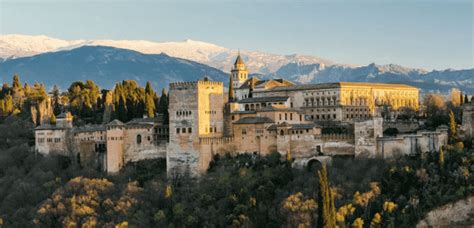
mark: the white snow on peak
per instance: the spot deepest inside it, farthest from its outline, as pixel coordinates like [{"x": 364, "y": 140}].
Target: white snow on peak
[{"x": 14, "y": 46}]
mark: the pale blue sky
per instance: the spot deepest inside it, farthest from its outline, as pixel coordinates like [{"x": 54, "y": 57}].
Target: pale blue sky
[{"x": 425, "y": 34}]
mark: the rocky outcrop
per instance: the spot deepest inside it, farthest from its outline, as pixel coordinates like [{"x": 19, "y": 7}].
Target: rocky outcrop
[
  {"x": 457, "y": 214},
  {"x": 41, "y": 112}
]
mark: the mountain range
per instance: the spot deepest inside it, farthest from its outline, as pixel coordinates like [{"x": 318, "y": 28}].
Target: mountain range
[
  {"x": 106, "y": 66},
  {"x": 42, "y": 57}
]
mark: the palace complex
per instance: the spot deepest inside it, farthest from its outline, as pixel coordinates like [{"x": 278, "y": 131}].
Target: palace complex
[{"x": 307, "y": 123}]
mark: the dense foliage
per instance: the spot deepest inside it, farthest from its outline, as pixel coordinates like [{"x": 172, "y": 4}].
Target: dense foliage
[
  {"x": 246, "y": 190},
  {"x": 241, "y": 191},
  {"x": 16, "y": 98}
]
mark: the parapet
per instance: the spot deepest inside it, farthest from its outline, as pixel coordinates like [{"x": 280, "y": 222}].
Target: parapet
[
  {"x": 215, "y": 140},
  {"x": 183, "y": 85},
  {"x": 211, "y": 83},
  {"x": 194, "y": 84}
]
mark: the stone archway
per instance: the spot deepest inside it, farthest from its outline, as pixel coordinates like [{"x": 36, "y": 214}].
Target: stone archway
[{"x": 314, "y": 164}]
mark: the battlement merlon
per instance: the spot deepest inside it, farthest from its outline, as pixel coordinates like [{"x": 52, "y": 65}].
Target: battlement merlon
[
  {"x": 210, "y": 83},
  {"x": 215, "y": 140},
  {"x": 194, "y": 84},
  {"x": 183, "y": 85}
]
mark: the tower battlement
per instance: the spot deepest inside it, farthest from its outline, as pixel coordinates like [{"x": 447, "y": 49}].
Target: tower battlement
[
  {"x": 215, "y": 140},
  {"x": 183, "y": 85},
  {"x": 194, "y": 84},
  {"x": 210, "y": 83}
]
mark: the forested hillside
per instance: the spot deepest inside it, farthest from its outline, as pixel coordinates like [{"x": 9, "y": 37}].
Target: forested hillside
[{"x": 240, "y": 191}]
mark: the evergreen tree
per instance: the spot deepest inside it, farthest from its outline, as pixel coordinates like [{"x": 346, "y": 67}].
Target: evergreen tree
[
  {"x": 8, "y": 104},
  {"x": 163, "y": 106},
  {"x": 53, "y": 119},
  {"x": 441, "y": 157},
  {"x": 326, "y": 210},
  {"x": 16, "y": 82},
  {"x": 122, "y": 110},
  {"x": 2, "y": 107},
  {"x": 466, "y": 99},
  {"x": 452, "y": 126},
  {"x": 56, "y": 100},
  {"x": 149, "y": 100},
  {"x": 27, "y": 89}
]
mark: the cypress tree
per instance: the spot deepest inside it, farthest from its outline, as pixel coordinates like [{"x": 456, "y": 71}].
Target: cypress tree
[
  {"x": 163, "y": 106},
  {"x": 16, "y": 82},
  {"x": 8, "y": 104},
  {"x": 2, "y": 107},
  {"x": 149, "y": 100},
  {"x": 326, "y": 209},
  {"x": 56, "y": 98},
  {"x": 53, "y": 120},
  {"x": 441, "y": 157},
  {"x": 466, "y": 99},
  {"x": 452, "y": 126},
  {"x": 122, "y": 110}
]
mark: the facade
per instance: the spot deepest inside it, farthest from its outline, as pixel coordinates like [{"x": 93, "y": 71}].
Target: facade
[
  {"x": 468, "y": 119},
  {"x": 256, "y": 116},
  {"x": 346, "y": 101},
  {"x": 196, "y": 110},
  {"x": 107, "y": 147}
]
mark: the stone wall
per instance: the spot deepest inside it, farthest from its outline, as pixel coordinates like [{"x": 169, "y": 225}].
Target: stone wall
[
  {"x": 468, "y": 119},
  {"x": 196, "y": 110},
  {"x": 365, "y": 136},
  {"x": 52, "y": 141},
  {"x": 139, "y": 144},
  {"x": 406, "y": 144},
  {"x": 337, "y": 144},
  {"x": 402, "y": 126}
]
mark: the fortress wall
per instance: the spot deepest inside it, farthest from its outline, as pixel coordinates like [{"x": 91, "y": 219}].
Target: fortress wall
[
  {"x": 389, "y": 147},
  {"x": 147, "y": 148},
  {"x": 46, "y": 144},
  {"x": 401, "y": 126}
]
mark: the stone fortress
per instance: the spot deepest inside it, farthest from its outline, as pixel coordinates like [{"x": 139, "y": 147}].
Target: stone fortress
[{"x": 252, "y": 116}]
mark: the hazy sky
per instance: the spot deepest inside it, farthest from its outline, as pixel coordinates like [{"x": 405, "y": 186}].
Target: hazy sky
[{"x": 425, "y": 34}]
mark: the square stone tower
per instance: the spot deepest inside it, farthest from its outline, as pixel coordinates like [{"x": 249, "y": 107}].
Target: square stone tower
[{"x": 196, "y": 110}]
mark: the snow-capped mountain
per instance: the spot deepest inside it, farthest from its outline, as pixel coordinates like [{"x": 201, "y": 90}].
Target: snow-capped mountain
[
  {"x": 14, "y": 46},
  {"x": 434, "y": 81},
  {"x": 106, "y": 66},
  {"x": 298, "y": 68}
]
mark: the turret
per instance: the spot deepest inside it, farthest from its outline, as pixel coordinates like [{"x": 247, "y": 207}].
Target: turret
[{"x": 239, "y": 74}]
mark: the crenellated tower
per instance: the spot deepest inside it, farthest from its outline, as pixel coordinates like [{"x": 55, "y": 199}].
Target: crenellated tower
[{"x": 195, "y": 110}]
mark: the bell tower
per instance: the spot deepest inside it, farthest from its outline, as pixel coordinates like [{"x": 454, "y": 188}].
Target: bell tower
[{"x": 239, "y": 73}]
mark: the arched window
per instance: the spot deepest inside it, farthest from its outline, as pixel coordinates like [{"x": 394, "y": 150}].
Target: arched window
[{"x": 139, "y": 139}]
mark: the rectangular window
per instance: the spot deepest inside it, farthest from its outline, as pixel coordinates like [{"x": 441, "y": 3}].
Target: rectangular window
[
  {"x": 184, "y": 130},
  {"x": 291, "y": 116},
  {"x": 286, "y": 116},
  {"x": 280, "y": 116},
  {"x": 190, "y": 130},
  {"x": 244, "y": 131},
  {"x": 177, "y": 130}
]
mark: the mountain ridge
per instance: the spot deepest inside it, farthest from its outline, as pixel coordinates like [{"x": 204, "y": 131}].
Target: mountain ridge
[
  {"x": 106, "y": 66},
  {"x": 298, "y": 68}
]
